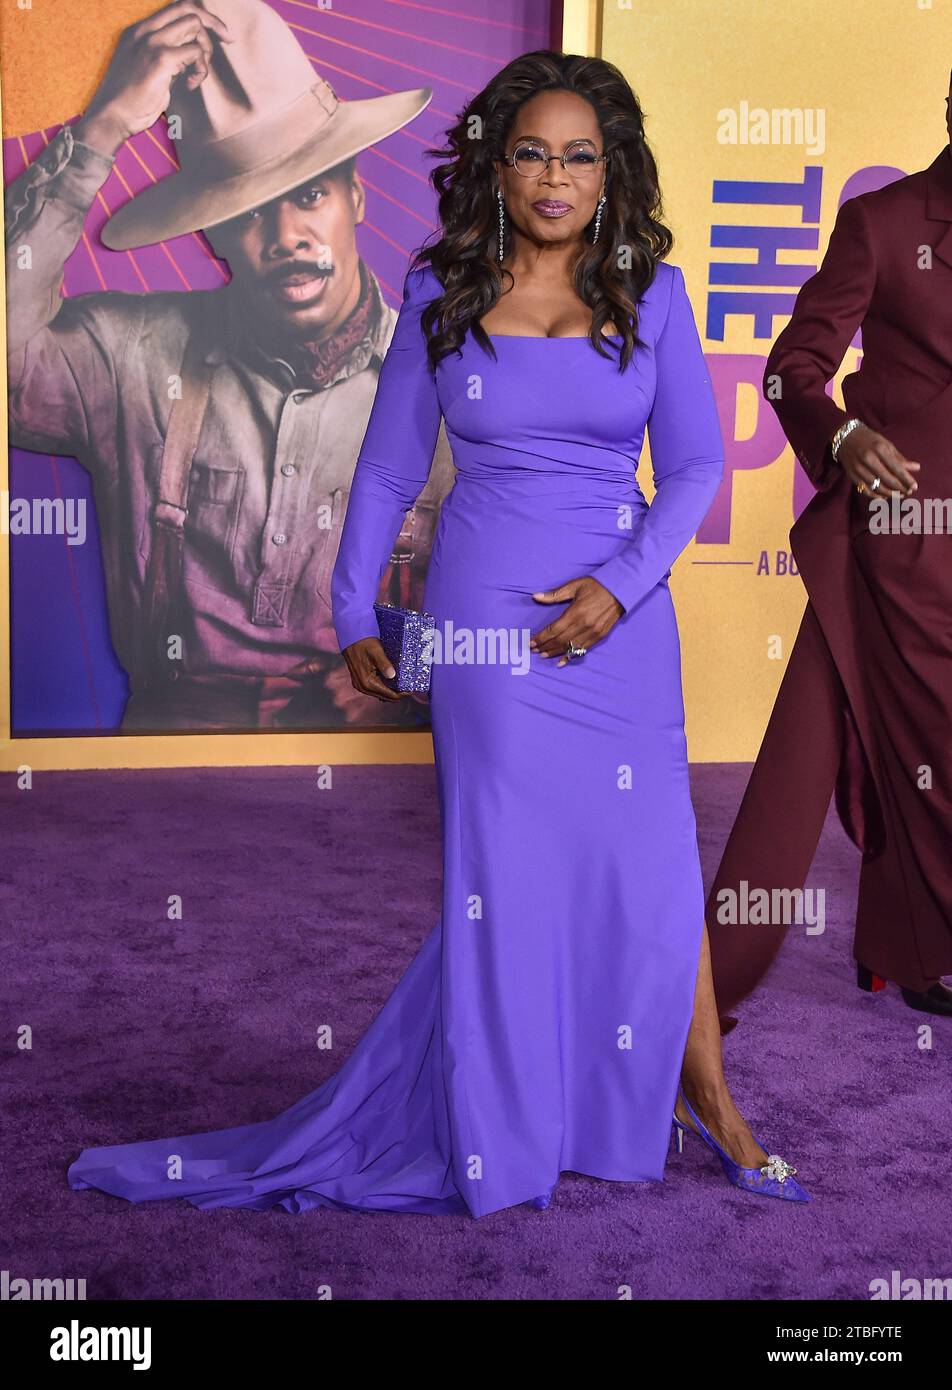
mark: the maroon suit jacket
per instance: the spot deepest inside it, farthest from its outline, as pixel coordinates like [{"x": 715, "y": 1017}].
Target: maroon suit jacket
[
  {"x": 872, "y": 277},
  {"x": 887, "y": 270}
]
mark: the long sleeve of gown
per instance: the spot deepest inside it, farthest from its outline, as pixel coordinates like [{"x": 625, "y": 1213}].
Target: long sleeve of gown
[
  {"x": 687, "y": 457},
  {"x": 392, "y": 468}
]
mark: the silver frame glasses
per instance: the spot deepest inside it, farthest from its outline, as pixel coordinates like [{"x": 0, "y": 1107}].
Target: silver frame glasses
[{"x": 510, "y": 159}]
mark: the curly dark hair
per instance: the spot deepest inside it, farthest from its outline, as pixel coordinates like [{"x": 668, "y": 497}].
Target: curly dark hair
[{"x": 464, "y": 259}]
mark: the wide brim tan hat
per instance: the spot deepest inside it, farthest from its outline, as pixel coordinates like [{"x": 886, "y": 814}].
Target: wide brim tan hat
[{"x": 260, "y": 123}]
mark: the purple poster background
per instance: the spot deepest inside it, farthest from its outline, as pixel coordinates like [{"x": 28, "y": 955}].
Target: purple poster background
[{"x": 64, "y": 674}]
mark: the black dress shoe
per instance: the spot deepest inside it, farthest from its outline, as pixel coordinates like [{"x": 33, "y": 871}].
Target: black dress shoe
[{"x": 937, "y": 999}]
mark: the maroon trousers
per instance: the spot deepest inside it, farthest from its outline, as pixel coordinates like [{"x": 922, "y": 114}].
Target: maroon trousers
[{"x": 868, "y": 683}]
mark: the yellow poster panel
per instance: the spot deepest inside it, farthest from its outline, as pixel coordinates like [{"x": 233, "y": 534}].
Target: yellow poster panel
[{"x": 764, "y": 117}]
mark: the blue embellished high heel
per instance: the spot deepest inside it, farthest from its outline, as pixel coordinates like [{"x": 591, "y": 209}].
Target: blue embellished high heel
[{"x": 775, "y": 1179}]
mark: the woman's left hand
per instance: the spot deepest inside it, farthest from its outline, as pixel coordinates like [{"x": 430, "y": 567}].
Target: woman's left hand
[{"x": 592, "y": 612}]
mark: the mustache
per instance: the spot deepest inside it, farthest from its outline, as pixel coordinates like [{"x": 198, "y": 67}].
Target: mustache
[{"x": 290, "y": 269}]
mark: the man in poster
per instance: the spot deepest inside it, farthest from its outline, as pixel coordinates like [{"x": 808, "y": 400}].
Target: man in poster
[{"x": 220, "y": 427}]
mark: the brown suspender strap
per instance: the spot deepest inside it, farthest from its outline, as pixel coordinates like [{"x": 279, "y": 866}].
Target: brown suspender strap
[{"x": 164, "y": 571}]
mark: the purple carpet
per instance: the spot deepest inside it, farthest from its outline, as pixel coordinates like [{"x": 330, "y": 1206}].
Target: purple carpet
[{"x": 301, "y": 908}]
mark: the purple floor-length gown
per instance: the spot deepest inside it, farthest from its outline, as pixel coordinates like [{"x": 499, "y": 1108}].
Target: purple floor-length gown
[{"x": 541, "y": 1025}]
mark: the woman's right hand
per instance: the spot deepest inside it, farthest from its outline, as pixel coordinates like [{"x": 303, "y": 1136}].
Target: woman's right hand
[
  {"x": 366, "y": 660},
  {"x": 865, "y": 456}
]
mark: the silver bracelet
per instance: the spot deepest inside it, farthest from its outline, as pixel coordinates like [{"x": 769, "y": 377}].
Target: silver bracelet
[{"x": 841, "y": 433}]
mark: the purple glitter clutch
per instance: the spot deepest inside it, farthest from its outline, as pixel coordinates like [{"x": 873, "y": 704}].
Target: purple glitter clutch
[{"x": 404, "y": 635}]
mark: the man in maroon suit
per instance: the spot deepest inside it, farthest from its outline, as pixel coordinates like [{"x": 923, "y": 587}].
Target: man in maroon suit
[{"x": 865, "y": 706}]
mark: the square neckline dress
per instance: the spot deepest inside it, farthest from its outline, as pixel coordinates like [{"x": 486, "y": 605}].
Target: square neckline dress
[{"x": 540, "y": 1027}]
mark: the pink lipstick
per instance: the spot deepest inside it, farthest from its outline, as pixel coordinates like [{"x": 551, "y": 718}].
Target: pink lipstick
[{"x": 547, "y": 207}]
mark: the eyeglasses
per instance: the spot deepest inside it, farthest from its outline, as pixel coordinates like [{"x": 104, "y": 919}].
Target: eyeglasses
[{"x": 529, "y": 158}]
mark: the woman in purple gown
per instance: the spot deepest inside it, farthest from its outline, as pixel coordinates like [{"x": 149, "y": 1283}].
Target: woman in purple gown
[{"x": 545, "y": 1021}]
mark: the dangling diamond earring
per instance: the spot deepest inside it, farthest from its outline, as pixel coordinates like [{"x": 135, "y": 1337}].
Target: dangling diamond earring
[
  {"x": 598, "y": 217},
  {"x": 502, "y": 221}
]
